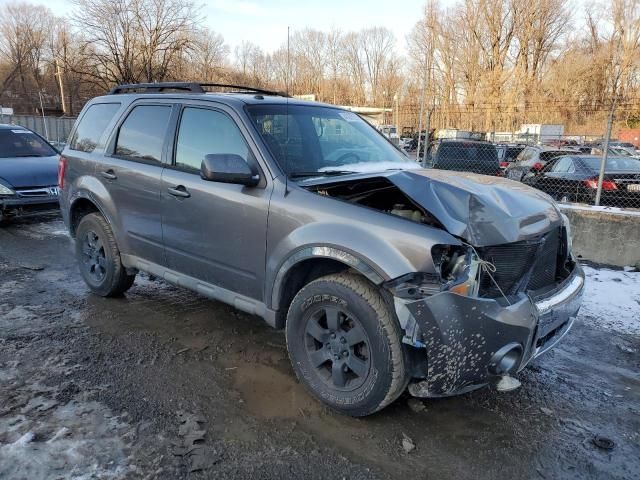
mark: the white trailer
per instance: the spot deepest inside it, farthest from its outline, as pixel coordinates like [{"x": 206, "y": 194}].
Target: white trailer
[{"x": 541, "y": 131}]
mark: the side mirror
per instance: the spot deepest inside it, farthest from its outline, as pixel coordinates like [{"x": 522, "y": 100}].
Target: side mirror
[{"x": 228, "y": 168}]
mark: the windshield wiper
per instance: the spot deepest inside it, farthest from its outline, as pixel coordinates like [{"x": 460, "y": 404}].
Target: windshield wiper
[{"x": 326, "y": 173}]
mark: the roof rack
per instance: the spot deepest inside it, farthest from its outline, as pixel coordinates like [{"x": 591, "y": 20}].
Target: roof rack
[{"x": 191, "y": 87}]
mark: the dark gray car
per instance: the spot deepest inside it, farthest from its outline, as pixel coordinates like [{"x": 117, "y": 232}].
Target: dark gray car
[
  {"x": 383, "y": 274},
  {"x": 28, "y": 173}
]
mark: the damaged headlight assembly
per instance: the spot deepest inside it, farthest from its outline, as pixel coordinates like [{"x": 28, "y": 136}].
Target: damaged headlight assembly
[{"x": 458, "y": 272}]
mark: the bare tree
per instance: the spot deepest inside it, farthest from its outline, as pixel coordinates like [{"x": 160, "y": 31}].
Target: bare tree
[
  {"x": 129, "y": 41},
  {"x": 23, "y": 30}
]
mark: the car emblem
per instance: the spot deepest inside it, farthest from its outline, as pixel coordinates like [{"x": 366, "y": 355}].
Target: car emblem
[{"x": 54, "y": 191}]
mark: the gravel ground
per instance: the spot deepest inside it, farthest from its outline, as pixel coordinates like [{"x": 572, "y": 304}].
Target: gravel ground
[{"x": 162, "y": 383}]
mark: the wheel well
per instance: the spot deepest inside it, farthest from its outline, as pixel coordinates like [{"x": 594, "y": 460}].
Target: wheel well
[
  {"x": 300, "y": 275},
  {"x": 79, "y": 210}
]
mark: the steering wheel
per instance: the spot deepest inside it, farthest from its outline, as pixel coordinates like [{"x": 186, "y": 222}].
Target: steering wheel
[{"x": 341, "y": 160}]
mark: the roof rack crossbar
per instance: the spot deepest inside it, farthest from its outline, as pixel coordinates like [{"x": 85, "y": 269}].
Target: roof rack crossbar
[
  {"x": 243, "y": 88},
  {"x": 157, "y": 87},
  {"x": 191, "y": 87}
]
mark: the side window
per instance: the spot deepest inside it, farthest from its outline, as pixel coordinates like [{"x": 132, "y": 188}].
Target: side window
[
  {"x": 525, "y": 155},
  {"x": 562, "y": 165},
  {"x": 203, "y": 132},
  {"x": 92, "y": 126},
  {"x": 142, "y": 134}
]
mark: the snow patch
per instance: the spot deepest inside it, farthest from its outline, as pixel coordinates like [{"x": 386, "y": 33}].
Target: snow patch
[
  {"x": 600, "y": 208},
  {"x": 611, "y": 300}
]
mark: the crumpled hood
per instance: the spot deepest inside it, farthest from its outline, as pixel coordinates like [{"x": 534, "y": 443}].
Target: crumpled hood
[
  {"x": 481, "y": 209},
  {"x": 29, "y": 171}
]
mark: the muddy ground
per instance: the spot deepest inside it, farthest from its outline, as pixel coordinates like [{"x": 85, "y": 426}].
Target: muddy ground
[{"x": 163, "y": 383}]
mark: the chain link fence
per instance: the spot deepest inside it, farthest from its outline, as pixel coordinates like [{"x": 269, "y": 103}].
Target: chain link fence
[{"x": 567, "y": 167}]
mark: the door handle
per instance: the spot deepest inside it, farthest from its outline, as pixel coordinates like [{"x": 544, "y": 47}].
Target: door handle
[
  {"x": 179, "y": 191},
  {"x": 109, "y": 175}
]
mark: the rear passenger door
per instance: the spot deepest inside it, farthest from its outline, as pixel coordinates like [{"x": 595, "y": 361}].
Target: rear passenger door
[
  {"x": 213, "y": 231},
  {"x": 131, "y": 173}
]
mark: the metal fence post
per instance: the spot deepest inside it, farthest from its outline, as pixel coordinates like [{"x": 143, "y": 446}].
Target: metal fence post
[{"x": 605, "y": 154}]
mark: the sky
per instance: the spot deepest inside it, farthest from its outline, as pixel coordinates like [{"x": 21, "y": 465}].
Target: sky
[{"x": 265, "y": 22}]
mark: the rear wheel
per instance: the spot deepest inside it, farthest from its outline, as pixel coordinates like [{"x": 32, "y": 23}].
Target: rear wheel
[
  {"x": 99, "y": 258},
  {"x": 344, "y": 344}
]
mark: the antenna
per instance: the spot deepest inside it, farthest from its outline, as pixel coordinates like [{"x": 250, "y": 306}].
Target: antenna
[{"x": 286, "y": 117}]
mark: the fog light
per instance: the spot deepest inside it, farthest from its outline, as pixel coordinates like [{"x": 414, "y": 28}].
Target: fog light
[{"x": 506, "y": 359}]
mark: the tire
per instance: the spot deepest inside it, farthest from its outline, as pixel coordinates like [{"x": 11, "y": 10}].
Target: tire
[
  {"x": 99, "y": 257},
  {"x": 345, "y": 345}
]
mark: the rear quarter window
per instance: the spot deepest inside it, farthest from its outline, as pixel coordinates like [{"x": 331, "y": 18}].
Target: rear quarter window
[{"x": 92, "y": 125}]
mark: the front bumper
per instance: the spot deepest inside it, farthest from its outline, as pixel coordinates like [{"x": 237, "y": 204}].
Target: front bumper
[
  {"x": 462, "y": 335},
  {"x": 20, "y": 206}
]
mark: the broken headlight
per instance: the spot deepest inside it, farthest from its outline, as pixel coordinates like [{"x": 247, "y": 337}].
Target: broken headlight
[
  {"x": 415, "y": 285},
  {"x": 459, "y": 269}
]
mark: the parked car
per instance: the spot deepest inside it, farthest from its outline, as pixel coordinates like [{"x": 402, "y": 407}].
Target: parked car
[
  {"x": 507, "y": 154},
  {"x": 630, "y": 148},
  {"x": 466, "y": 156},
  {"x": 28, "y": 173},
  {"x": 622, "y": 152},
  {"x": 377, "y": 269},
  {"x": 533, "y": 158},
  {"x": 575, "y": 179}
]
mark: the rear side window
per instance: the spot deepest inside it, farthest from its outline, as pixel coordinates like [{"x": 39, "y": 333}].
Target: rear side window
[
  {"x": 92, "y": 126},
  {"x": 142, "y": 134},
  {"x": 203, "y": 132}
]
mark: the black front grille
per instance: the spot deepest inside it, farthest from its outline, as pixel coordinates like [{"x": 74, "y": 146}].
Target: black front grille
[
  {"x": 544, "y": 272},
  {"x": 513, "y": 261}
]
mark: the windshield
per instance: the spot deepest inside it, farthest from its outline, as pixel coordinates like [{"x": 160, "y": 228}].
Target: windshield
[
  {"x": 313, "y": 139},
  {"x": 613, "y": 164},
  {"x": 18, "y": 142}
]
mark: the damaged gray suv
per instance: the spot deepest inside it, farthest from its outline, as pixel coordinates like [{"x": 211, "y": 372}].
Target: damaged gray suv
[{"x": 384, "y": 275}]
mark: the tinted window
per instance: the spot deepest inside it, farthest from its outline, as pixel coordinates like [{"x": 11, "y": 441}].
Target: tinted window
[
  {"x": 512, "y": 153},
  {"x": 18, "y": 142},
  {"x": 613, "y": 164},
  {"x": 207, "y": 131},
  {"x": 92, "y": 125},
  {"x": 468, "y": 151},
  {"x": 141, "y": 136}
]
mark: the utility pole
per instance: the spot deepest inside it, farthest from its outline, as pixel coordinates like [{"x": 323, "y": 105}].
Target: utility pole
[
  {"x": 605, "y": 149},
  {"x": 422, "y": 95},
  {"x": 44, "y": 120},
  {"x": 61, "y": 85}
]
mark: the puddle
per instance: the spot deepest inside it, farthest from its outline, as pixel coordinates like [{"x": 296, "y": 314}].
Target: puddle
[{"x": 268, "y": 393}]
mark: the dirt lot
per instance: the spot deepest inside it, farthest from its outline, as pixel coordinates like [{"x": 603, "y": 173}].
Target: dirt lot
[{"x": 163, "y": 383}]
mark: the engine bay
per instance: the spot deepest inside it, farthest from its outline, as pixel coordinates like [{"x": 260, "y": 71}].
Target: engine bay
[{"x": 379, "y": 194}]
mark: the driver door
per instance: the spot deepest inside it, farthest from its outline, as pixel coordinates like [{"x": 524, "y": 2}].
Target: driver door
[{"x": 213, "y": 231}]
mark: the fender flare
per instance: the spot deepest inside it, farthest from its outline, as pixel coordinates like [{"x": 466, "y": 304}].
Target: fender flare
[
  {"x": 87, "y": 195},
  {"x": 350, "y": 259}
]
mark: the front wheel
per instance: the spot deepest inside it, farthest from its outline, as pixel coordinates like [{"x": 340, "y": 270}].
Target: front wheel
[
  {"x": 99, "y": 258},
  {"x": 345, "y": 344}
]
